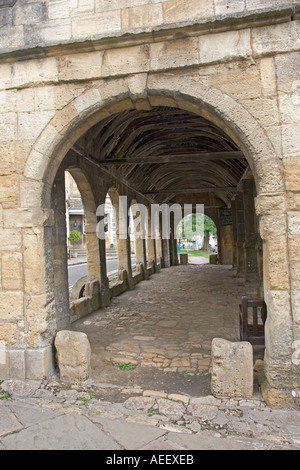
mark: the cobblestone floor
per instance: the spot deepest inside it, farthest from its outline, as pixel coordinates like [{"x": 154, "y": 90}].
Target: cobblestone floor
[{"x": 162, "y": 330}]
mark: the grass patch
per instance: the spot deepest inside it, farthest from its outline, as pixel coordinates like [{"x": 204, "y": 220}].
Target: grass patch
[
  {"x": 85, "y": 400},
  {"x": 128, "y": 366},
  {"x": 205, "y": 254},
  {"x": 4, "y": 395}
]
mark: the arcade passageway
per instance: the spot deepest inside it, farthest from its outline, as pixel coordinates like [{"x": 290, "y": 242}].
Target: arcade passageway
[
  {"x": 164, "y": 327},
  {"x": 162, "y": 316}
]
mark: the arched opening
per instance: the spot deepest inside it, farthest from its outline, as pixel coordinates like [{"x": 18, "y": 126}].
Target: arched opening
[
  {"x": 76, "y": 237},
  {"x": 163, "y": 157},
  {"x": 256, "y": 163},
  {"x": 197, "y": 237}
]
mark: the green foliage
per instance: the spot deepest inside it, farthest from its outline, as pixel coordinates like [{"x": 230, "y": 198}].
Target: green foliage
[
  {"x": 74, "y": 236},
  {"x": 209, "y": 225},
  {"x": 196, "y": 224},
  {"x": 128, "y": 366},
  {"x": 84, "y": 400},
  {"x": 4, "y": 395}
]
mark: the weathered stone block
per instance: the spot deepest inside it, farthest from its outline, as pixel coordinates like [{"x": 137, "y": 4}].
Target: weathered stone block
[
  {"x": 232, "y": 369},
  {"x": 184, "y": 258},
  {"x": 292, "y": 173},
  {"x": 76, "y": 67},
  {"x": 9, "y": 191},
  {"x": 98, "y": 24},
  {"x": 141, "y": 16},
  {"x": 12, "y": 272},
  {"x": 130, "y": 60},
  {"x": 174, "y": 11},
  {"x": 11, "y": 305},
  {"x": 39, "y": 363},
  {"x": 8, "y": 333},
  {"x": 280, "y": 38},
  {"x": 213, "y": 259},
  {"x": 73, "y": 355},
  {"x": 225, "y": 46},
  {"x": 177, "y": 53}
]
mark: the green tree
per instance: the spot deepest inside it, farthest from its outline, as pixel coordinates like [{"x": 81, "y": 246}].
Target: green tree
[
  {"x": 194, "y": 225},
  {"x": 74, "y": 236},
  {"x": 209, "y": 228}
]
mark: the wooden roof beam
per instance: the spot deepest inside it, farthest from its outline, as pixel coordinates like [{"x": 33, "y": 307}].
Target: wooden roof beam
[{"x": 180, "y": 158}]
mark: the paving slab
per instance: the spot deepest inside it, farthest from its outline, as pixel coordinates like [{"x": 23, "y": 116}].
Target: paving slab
[
  {"x": 67, "y": 432},
  {"x": 130, "y": 436},
  {"x": 208, "y": 442},
  {"x": 30, "y": 415},
  {"x": 8, "y": 422}
]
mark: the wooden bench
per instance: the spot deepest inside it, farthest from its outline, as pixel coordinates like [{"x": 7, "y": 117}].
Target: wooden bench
[{"x": 253, "y": 315}]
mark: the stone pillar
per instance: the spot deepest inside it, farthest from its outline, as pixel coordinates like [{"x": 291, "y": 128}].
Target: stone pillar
[
  {"x": 123, "y": 239},
  {"x": 59, "y": 253},
  {"x": 234, "y": 235},
  {"x": 250, "y": 250},
  {"x": 151, "y": 243},
  {"x": 281, "y": 372},
  {"x": 173, "y": 243},
  {"x": 166, "y": 252},
  {"x": 140, "y": 241},
  {"x": 226, "y": 244},
  {"x": 260, "y": 264},
  {"x": 92, "y": 246},
  {"x": 104, "y": 281},
  {"x": 158, "y": 248},
  {"x": 240, "y": 233}
]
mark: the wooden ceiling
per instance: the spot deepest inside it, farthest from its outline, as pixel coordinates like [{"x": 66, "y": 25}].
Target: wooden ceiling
[{"x": 167, "y": 154}]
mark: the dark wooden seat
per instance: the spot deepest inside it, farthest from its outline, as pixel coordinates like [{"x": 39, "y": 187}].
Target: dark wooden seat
[{"x": 253, "y": 315}]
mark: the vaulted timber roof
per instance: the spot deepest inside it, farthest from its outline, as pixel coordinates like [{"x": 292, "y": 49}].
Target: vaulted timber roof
[{"x": 167, "y": 154}]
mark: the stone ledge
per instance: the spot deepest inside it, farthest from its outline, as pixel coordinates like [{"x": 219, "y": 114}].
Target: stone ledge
[{"x": 220, "y": 23}]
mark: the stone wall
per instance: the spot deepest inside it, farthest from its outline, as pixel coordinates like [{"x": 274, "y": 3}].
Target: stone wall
[
  {"x": 34, "y": 24},
  {"x": 234, "y": 62}
]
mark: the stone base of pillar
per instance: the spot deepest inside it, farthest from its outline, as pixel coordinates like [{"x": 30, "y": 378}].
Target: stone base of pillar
[
  {"x": 275, "y": 397},
  {"x": 27, "y": 364}
]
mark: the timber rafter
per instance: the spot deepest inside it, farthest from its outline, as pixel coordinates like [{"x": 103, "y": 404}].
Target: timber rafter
[{"x": 165, "y": 153}]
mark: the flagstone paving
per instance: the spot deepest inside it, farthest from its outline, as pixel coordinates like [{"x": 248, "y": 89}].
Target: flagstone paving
[
  {"x": 164, "y": 327},
  {"x": 162, "y": 404}
]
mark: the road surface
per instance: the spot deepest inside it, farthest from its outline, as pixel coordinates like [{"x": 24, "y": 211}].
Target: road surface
[{"x": 77, "y": 271}]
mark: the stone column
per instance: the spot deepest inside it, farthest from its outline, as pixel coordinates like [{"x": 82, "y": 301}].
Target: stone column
[
  {"x": 166, "y": 252},
  {"x": 240, "y": 232},
  {"x": 226, "y": 244},
  {"x": 281, "y": 372},
  {"x": 151, "y": 245},
  {"x": 234, "y": 235},
  {"x": 158, "y": 248},
  {"x": 123, "y": 240},
  {"x": 250, "y": 250},
  {"x": 59, "y": 253},
  {"x": 260, "y": 264},
  {"x": 173, "y": 243},
  {"x": 92, "y": 245},
  {"x": 140, "y": 242}
]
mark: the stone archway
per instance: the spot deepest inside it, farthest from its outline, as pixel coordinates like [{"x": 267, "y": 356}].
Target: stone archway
[{"x": 143, "y": 92}]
